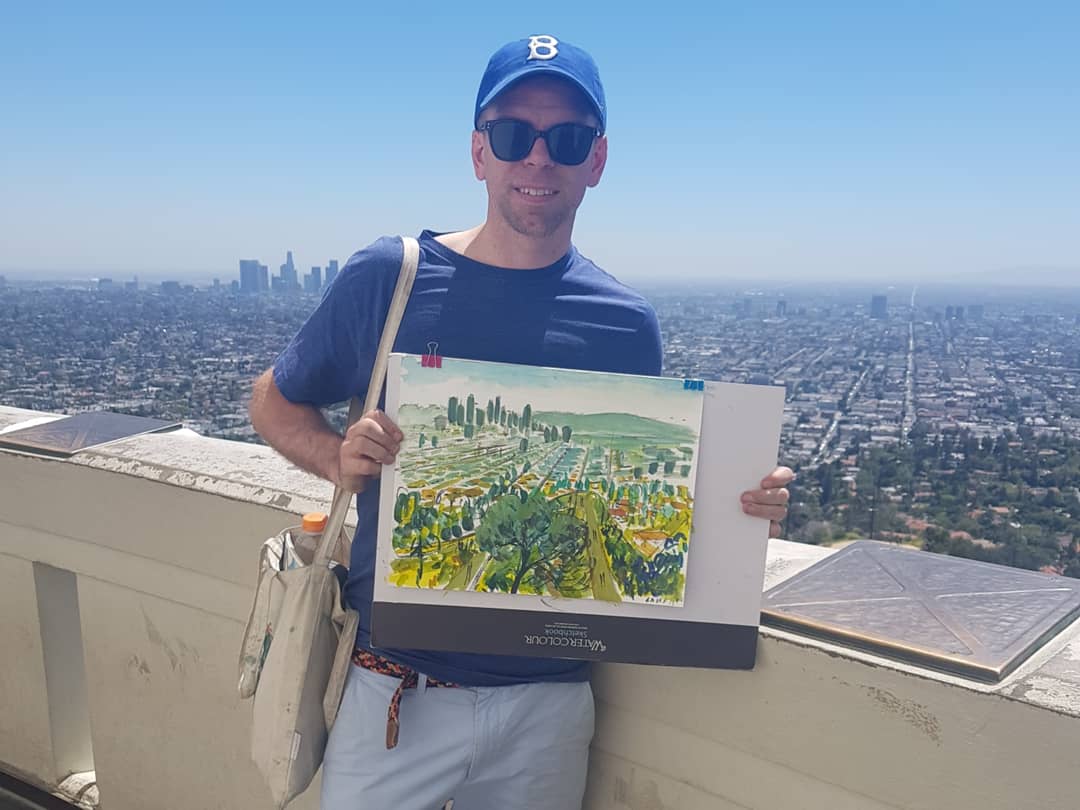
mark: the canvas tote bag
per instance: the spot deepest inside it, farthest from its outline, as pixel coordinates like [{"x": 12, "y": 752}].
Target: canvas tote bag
[{"x": 299, "y": 637}]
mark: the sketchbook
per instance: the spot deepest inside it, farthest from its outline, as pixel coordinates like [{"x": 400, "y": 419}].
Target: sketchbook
[{"x": 552, "y": 512}]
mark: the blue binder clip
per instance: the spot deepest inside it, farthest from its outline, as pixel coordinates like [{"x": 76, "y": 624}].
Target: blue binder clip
[{"x": 693, "y": 385}]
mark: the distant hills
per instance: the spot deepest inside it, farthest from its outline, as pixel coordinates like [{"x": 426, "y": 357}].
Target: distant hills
[{"x": 620, "y": 424}]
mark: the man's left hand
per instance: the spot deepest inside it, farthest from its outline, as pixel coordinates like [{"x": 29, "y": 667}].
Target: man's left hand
[{"x": 770, "y": 501}]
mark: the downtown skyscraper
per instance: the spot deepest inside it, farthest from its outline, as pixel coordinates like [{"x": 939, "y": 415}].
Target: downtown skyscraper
[{"x": 254, "y": 277}]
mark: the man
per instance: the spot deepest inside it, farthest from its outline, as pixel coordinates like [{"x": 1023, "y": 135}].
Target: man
[{"x": 484, "y": 731}]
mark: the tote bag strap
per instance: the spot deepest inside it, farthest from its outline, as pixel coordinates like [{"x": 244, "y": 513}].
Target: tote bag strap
[{"x": 340, "y": 505}]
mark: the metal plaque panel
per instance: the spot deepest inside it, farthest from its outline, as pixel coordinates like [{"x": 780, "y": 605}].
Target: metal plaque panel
[
  {"x": 65, "y": 437},
  {"x": 960, "y": 616}
]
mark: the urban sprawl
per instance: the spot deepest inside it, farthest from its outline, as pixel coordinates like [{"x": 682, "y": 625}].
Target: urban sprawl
[{"x": 943, "y": 417}]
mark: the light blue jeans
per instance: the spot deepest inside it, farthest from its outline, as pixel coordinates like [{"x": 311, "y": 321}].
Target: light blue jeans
[{"x": 486, "y": 748}]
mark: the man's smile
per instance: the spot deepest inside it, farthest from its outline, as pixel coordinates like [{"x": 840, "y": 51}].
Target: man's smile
[{"x": 534, "y": 191}]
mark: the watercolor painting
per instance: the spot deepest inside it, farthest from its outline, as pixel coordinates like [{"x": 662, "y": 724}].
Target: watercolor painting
[{"x": 524, "y": 480}]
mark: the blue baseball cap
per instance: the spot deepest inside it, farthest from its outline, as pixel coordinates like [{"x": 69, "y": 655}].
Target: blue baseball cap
[{"x": 541, "y": 56}]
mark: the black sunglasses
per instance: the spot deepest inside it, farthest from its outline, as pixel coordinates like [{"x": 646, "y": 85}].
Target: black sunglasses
[{"x": 512, "y": 140}]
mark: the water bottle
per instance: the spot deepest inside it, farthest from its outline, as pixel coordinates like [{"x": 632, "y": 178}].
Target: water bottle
[
  {"x": 306, "y": 540},
  {"x": 305, "y": 543}
]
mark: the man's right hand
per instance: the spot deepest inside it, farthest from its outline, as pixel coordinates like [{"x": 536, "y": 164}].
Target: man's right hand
[{"x": 372, "y": 441}]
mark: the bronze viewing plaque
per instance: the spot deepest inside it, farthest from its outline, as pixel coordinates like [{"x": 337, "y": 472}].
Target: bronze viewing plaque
[
  {"x": 64, "y": 437},
  {"x": 964, "y": 617}
]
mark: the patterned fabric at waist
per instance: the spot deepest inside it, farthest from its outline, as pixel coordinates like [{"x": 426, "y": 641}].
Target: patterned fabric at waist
[{"x": 410, "y": 679}]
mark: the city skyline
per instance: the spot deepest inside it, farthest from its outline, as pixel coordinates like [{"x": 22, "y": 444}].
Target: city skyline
[
  {"x": 826, "y": 143},
  {"x": 1033, "y": 277}
]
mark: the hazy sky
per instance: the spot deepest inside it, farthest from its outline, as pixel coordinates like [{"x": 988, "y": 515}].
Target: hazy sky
[{"x": 810, "y": 140}]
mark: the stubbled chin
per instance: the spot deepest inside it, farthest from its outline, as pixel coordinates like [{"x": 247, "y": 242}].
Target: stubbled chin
[{"x": 537, "y": 222}]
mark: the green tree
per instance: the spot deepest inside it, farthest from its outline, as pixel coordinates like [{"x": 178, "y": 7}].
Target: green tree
[
  {"x": 533, "y": 537},
  {"x": 936, "y": 539},
  {"x": 470, "y": 410},
  {"x": 567, "y": 432},
  {"x": 526, "y": 417},
  {"x": 460, "y": 414},
  {"x": 421, "y": 523},
  {"x": 434, "y": 441},
  {"x": 452, "y": 411}
]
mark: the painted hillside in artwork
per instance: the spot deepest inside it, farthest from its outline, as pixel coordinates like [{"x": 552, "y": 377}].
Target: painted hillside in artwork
[{"x": 523, "y": 480}]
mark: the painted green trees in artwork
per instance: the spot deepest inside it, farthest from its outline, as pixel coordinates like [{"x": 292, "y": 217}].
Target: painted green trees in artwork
[
  {"x": 526, "y": 417},
  {"x": 642, "y": 576},
  {"x": 415, "y": 526},
  {"x": 451, "y": 410},
  {"x": 531, "y": 537},
  {"x": 470, "y": 408}
]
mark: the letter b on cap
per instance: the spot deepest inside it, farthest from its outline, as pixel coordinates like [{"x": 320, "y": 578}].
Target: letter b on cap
[{"x": 543, "y": 47}]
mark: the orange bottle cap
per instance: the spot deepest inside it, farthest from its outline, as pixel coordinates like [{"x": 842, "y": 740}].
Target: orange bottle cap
[{"x": 313, "y": 522}]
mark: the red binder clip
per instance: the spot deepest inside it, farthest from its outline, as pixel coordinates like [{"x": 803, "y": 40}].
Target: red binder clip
[{"x": 432, "y": 359}]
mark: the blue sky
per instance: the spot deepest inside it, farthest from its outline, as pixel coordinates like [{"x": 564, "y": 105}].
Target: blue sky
[{"x": 751, "y": 140}]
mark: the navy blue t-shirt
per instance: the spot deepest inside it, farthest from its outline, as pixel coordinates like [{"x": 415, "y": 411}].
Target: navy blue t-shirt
[{"x": 570, "y": 314}]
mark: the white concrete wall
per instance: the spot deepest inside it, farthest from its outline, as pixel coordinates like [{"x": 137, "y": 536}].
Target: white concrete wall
[
  {"x": 810, "y": 729},
  {"x": 164, "y": 568},
  {"x": 164, "y": 575},
  {"x": 25, "y": 739}
]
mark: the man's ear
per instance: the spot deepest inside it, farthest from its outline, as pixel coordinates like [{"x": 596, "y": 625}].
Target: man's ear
[
  {"x": 597, "y": 161},
  {"x": 479, "y": 154}
]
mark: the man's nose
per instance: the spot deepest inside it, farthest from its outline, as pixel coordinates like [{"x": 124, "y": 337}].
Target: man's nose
[{"x": 538, "y": 155}]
